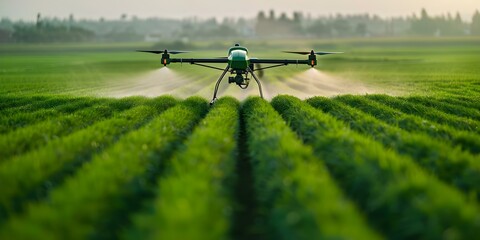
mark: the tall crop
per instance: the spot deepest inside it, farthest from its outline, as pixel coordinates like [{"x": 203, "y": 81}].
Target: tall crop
[
  {"x": 294, "y": 190},
  {"x": 428, "y": 113},
  {"x": 94, "y": 201},
  {"x": 464, "y": 101},
  {"x": 464, "y": 139},
  {"x": 23, "y": 139},
  {"x": 456, "y": 109},
  {"x": 194, "y": 195},
  {"x": 7, "y": 102},
  {"x": 397, "y": 196},
  {"x": 48, "y": 163},
  {"x": 14, "y": 119},
  {"x": 448, "y": 163},
  {"x": 42, "y": 103}
]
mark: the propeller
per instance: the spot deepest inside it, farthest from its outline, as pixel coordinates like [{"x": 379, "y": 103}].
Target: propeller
[
  {"x": 164, "y": 51},
  {"x": 311, "y": 52}
]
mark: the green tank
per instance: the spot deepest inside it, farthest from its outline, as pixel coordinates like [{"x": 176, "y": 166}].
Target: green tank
[{"x": 238, "y": 58}]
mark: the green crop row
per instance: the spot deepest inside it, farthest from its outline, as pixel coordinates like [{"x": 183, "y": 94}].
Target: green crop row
[
  {"x": 194, "y": 195},
  {"x": 24, "y": 117},
  {"x": 96, "y": 200},
  {"x": 427, "y": 113},
  {"x": 294, "y": 189},
  {"x": 468, "y": 102},
  {"x": 23, "y": 139},
  {"x": 45, "y": 165},
  {"x": 457, "y": 93},
  {"x": 38, "y": 104},
  {"x": 457, "y": 110},
  {"x": 466, "y": 140},
  {"x": 8, "y": 102},
  {"x": 450, "y": 164},
  {"x": 397, "y": 196}
]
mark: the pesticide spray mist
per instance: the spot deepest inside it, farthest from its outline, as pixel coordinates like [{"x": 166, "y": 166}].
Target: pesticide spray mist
[
  {"x": 154, "y": 83},
  {"x": 313, "y": 82},
  {"x": 305, "y": 84}
]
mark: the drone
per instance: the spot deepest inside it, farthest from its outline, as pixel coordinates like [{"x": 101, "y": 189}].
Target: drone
[{"x": 239, "y": 64}]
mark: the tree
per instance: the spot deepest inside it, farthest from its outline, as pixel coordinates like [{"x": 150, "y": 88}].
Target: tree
[
  {"x": 423, "y": 26},
  {"x": 458, "y": 19},
  {"x": 361, "y": 29},
  {"x": 297, "y": 17},
  {"x": 272, "y": 15},
  {"x": 320, "y": 29},
  {"x": 261, "y": 16},
  {"x": 39, "y": 20},
  {"x": 475, "y": 27}
]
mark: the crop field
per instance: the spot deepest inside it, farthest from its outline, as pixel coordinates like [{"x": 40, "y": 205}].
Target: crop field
[{"x": 382, "y": 142}]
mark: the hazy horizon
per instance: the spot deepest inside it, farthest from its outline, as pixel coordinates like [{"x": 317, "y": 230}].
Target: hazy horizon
[{"x": 178, "y": 9}]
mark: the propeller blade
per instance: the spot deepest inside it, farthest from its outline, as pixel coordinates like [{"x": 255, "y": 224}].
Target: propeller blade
[
  {"x": 309, "y": 52},
  {"x": 147, "y": 51},
  {"x": 326, "y": 53},
  {"x": 177, "y": 52},
  {"x": 162, "y": 51},
  {"x": 301, "y": 53}
]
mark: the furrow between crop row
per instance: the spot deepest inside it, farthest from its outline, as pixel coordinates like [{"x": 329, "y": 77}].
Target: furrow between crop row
[{"x": 397, "y": 196}]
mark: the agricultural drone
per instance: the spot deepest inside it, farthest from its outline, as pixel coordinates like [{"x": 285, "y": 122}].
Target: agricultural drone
[{"x": 238, "y": 64}]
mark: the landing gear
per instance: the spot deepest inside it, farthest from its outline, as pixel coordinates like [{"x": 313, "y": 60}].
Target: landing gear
[
  {"x": 256, "y": 80},
  {"x": 218, "y": 84},
  {"x": 238, "y": 79}
]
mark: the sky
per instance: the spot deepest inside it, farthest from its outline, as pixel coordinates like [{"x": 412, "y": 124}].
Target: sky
[{"x": 178, "y": 9}]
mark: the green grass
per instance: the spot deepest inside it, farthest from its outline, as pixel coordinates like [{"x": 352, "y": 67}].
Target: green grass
[{"x": 401, "y": 164}]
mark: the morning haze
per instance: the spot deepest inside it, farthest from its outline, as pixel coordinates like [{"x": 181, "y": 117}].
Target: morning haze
[{"x": 93, "y": 9}]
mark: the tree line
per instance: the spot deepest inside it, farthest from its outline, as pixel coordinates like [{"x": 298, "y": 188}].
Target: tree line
[{"x": 265, "y": 25}]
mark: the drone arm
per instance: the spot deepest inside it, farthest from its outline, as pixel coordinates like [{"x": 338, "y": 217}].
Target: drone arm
[
  {"x": 207, "y": 66},
  {"x": 279, "y": 61},
  {"x": 284, "y": 62},
  {"x": 198, "y": 60},
  {"x": 273, "y": 66}
]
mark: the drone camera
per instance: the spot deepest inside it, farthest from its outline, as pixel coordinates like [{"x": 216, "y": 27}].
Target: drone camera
[{"x": 238, "y": 79}]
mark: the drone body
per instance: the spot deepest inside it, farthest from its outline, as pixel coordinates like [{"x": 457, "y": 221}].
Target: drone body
[{"x": 239, "y": 64}]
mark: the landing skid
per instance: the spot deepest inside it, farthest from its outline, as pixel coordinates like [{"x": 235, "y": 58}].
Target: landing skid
[{"x": 214, "y": 99}]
